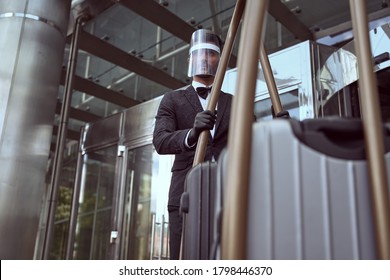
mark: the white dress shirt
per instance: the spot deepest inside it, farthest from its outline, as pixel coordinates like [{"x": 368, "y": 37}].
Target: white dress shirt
[{"x": 204, "y": 103}]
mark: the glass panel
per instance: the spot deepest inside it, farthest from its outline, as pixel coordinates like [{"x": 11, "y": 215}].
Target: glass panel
[
  {"x": 289, "y": 101},
  {"x": 120, "y": 80},
  {"x": 121, "y": 27},
  {"x": 92, "y": 238},
  {"x": 96, "y": 106},
  {"x": 62, "y": 214},
  {"x": 145, "y": 215},
  {"x": 98, "y": 70},
  {"x": 63, "y": 205}
]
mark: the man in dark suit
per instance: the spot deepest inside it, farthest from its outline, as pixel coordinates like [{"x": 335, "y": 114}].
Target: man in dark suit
[{"x": 181, "y": 118}]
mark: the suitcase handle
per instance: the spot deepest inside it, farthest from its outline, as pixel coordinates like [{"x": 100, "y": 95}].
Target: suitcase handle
[{"x": 336, "y": 137}]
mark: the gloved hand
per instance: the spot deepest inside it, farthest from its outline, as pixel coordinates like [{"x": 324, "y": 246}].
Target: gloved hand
[{"x": 203, "y": 121}]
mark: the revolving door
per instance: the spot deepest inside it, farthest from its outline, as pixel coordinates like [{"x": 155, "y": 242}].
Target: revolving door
[
  {"x": 145, "y": 220},
  {"x": 120, "y": 197}
]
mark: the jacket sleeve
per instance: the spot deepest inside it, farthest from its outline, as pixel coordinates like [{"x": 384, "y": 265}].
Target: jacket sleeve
[{"x": 168, "y": 138}]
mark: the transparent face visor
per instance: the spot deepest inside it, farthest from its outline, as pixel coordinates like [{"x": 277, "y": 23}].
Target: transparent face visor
[{"x": 204, "y": 54}]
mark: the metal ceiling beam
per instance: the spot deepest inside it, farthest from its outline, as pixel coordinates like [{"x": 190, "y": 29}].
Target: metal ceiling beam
[
  {"x": 71, "y": 134},
  {"x": 98, "y": 91},
  {"x": 157, "y": 14},
  {"x": 283, "y": 15},
  {"x": 154, "y": 12},
  {"x": 108, "y": 52},
  {"x": 78, "y": 114},
  {"x": 347, "y": 26}
]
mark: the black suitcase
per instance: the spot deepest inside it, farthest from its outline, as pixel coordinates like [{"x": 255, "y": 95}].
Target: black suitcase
[{"x": 197, "y": 206}]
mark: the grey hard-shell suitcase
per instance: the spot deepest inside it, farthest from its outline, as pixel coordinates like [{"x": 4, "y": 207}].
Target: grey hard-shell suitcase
[
  {"x": 309, "y": 191},
  {"x": 197, "y": 206},
  {"x": 284, "y": 199}
]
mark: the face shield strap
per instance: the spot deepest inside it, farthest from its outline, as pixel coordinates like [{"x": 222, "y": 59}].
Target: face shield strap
[{"x": 205, "y": 46}]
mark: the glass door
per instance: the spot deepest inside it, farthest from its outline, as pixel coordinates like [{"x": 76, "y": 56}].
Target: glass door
[
  {"x": 145, "y": 219},
  {"x": 92, "y": 232}
]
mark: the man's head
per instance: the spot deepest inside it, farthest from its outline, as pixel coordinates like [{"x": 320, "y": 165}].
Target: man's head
[{"x": 204, "y": 53}]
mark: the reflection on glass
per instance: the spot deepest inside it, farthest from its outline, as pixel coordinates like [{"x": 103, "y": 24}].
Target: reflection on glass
[
  {"x": 145, "y": 220},
  {"x": 344, "y": 103},
  {"x": 92, "y": 238},
  {"x": 289, "y": 101},
  {"x": 62, "y": 213}
]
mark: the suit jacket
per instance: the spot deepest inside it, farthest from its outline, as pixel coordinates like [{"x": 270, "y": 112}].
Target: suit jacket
[{"x": 175, "y": 117}]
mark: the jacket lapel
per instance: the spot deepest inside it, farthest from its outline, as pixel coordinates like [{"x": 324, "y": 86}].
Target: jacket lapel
[
  {"x": 221, "y": 108},
  {"x": 192, "y": 97}
]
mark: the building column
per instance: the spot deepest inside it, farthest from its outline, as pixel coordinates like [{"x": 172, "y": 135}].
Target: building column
[{"x": 32, "y": 42}]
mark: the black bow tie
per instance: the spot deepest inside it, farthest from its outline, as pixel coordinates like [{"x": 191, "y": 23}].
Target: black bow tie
[{"x": 203, "y": 91}]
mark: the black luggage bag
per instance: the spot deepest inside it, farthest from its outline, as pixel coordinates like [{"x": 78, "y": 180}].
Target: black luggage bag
[{"x": 197, "y": 206}]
